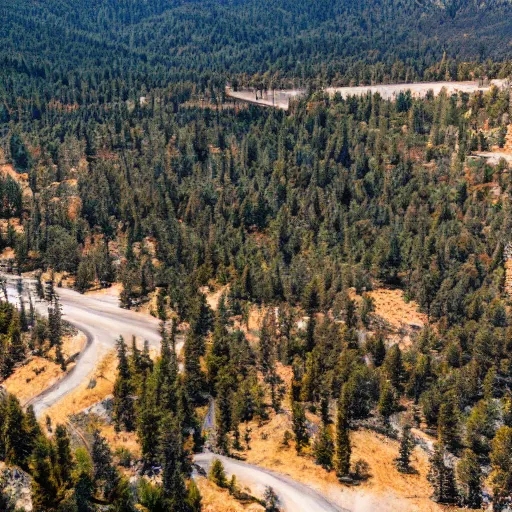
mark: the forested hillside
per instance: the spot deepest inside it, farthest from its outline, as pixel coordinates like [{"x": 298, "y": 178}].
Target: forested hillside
[
  {"x": 334, "y": 42},
  {"x": 123, "y": 166}
]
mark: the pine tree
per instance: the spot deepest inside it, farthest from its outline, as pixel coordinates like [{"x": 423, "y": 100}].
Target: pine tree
[
  {"x": 268, "y": 359},
  {"x": 300, "y": 429},
  {"x": 64, "y": 458},
  {"x": 83, "y": 481},
  {"x": 148, "y": 416},
  {"x": 323, "y": 448},
  {"x": 23, "y": 315},
  {"x": 172, "y": 457},
  {"x": 393, "y": 367},
  {"x": 167, "y": 372},
  {"x": 403, "y": 462},
  {"x": 324, "y": 406},
  {"x": 105, "y": 476},
  {"x": 39, "y": 286},
  {"x": 123, "y": 413},
  {"x": 150, "y": 497},
  {"x": 201, "y": 320},
  {"x": 379, "y": 351},
  {"x": 224, "y": 410},
  {"x": 342, "y": 448},
  {"x": 469, "y": 476},
  {"x": 44, "y": 487},
  {"x": 6, "y": 362},
  {"x": 194, "y": 500},
  {"x": 367, "y": 307},
  {"x": 442, "y": 478},
  {"x": 217, "y": 474},
  {"x": 17, "y": 445},
  {"x": 16, "y": 351},
  {"x": 136, "y": 358},
  {"x": 387, "y": 401},
  {"x": 55, "y": 328},
  {"x": 193, "y": 378},
  {"x": 447, "y": 423},
  {"x": 84, "y": 275},
  {"x": 31, "y": 428},
  {"x": 161, "y": 305},
  {"x": 501, "y": 465},
  {"x": 218, "y": 355}
]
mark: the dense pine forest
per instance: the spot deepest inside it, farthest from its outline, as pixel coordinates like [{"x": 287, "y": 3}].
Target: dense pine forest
[{"x": 129, "y": 165}]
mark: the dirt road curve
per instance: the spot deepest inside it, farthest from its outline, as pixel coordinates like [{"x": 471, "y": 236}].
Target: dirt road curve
[
  {"x": 102, "y": 320},
  {"x": 293, "y": 496}
]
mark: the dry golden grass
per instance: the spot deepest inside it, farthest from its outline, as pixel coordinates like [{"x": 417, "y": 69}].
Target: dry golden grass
[
  {"x": 112, "y": 291},
  {"x": 83, "y": 396},
  {"x": 387, "y": 490},
  {"x": 253, "y": 326},
  {"x": 40, "y": 373},
  {"x": 213, "y": 298},
  {"x": 219, "y": 500},
  {"x": 21, "y": 178},
  {"x": 8, "y": 254},
  {"x": 14, "y": 222},
  {"x": 127, "y": 440},
  {"x": 8, "y": 170},
  {"x": 25, "y": 383},
  {"x": 391, "y": 306}
]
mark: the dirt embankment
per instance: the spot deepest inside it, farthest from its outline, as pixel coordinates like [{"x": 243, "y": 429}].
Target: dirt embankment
[
  {"x": 40, "y": 372},
  {"x": 99, "y": 385},
  {"x": 215, "y": 499}
]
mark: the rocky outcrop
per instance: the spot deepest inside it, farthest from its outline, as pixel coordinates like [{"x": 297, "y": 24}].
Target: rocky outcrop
[{"x": 15, "y": 488}]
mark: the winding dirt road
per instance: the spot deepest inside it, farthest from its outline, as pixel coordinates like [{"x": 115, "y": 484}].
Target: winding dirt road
[
  {"x": 293, "y": 496},
  {"x": 102, "y": 321}
]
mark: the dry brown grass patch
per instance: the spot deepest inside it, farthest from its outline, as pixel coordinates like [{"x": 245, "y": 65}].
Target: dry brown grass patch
[
  {"x": 216, "y": 499},
  {"x": 40, "y": 373},
  {"x": 387, "y": 490},
  {"x": 84, "y": 396}
]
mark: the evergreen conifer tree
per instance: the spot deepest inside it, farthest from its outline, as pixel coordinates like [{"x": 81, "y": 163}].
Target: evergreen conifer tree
[
  {"x": 403, "y": 462},
  {"x": 323, "y": 448},
  {"x": 124, "y": 415},
  {"x": 193, "y": 377},
  {"x": 442, "y": 478},
  {"x": 469, "y": 477},
  {"x": 447, "y": 423},
  {"x": 300, "y": 429},
  {"x": 64, "y": 459},
  {"x": 44, "y": 487},
  {"x": 342, "y": 448},
  {"x": 172, "y": 457}
]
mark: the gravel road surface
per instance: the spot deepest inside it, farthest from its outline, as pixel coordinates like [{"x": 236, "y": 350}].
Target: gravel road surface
[
  {"x": 102, "y": 321},
  {"x": 293, "y": 496}
]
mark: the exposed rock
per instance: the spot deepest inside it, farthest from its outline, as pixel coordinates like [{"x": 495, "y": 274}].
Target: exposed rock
[{"x": 15, "y": 485}]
